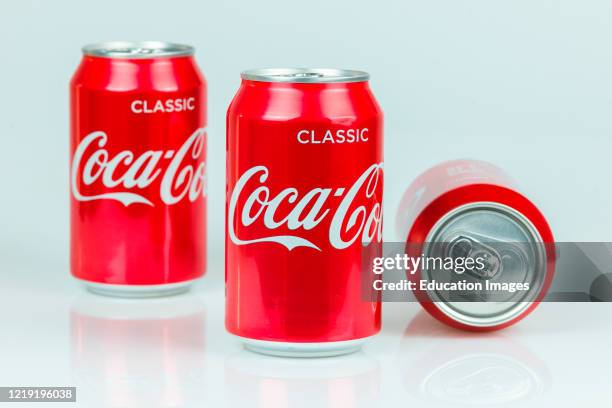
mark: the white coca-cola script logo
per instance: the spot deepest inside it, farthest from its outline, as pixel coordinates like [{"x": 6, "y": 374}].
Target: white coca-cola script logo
[
  {"x": 127, "y": 173},
  {"x": 307, "y": 211}
]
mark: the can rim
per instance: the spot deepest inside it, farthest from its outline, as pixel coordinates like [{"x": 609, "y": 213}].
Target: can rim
[
  {"x": 137, "y": 49},
  {"x": 520, "y": 306},
  {"x": 305, "y": 75}
]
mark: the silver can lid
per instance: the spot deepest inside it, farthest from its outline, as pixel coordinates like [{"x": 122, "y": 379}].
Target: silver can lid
[
  {"x": 138, "y": 49},
  {"x": 514, "y": 253},
  {"x": 305, "y": 75}
]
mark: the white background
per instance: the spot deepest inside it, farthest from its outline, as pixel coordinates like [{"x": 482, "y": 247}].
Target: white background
[{"x": 524, "y": 84}]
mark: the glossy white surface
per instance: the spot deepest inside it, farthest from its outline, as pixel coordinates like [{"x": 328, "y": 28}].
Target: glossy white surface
[{"x": 174, "y": 352}]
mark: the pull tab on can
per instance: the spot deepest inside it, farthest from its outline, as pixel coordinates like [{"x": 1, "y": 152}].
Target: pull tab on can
[{"x": 467, "y": 247}]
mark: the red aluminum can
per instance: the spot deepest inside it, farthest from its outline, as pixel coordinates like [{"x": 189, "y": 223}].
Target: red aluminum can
[
  {"x": 137, "y": 176},
  {"x": 477, "y": 204},
  {"x": 304, "y": 185}
]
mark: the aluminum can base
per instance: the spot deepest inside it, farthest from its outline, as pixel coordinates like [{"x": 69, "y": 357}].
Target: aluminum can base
[
  {"x": 303, "y": 350},
  {"x": 138, "y": 291}
]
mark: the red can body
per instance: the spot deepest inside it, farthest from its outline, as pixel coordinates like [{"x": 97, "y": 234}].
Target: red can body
[
  {"x": 304, "y": 185},
  {"x": 137, "y": 177},
  {"x": 449, "y": 186}
]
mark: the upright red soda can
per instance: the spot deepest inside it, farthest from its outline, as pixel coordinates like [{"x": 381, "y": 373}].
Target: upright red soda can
[
  {"x": 473, "y": 208},
  {"x": 304, "y": 185},
  {"x": 137, "y": 176}
]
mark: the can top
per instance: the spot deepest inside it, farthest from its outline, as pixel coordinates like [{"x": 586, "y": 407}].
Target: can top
[
  {"x": 137, "y": 49},
  {"x": 513, "y": 250},
  {"x": 305, "y": 75}
]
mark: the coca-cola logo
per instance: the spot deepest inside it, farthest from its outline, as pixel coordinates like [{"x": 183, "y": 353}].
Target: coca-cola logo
[
  {"x": 351, "y": 220},
  {"x": 182, "y": 172}
]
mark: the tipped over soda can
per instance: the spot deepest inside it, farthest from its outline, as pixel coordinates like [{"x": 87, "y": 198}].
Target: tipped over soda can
[{"x": 469, "y": 209}]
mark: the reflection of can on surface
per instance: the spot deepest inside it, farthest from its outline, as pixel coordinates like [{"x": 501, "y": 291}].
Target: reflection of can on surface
[
  {"x": 495, "y": 370},
  {"x": 471, "y": 208},
  {"x": 304, "y": 185},
  {"x": 351, "y": 382},
  {"x": 127, "y": 353}
]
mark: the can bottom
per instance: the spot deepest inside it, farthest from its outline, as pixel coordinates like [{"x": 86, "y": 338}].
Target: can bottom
[
  {"x": 138, "y": 291},
  {"x": 303, "y": 350}
]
